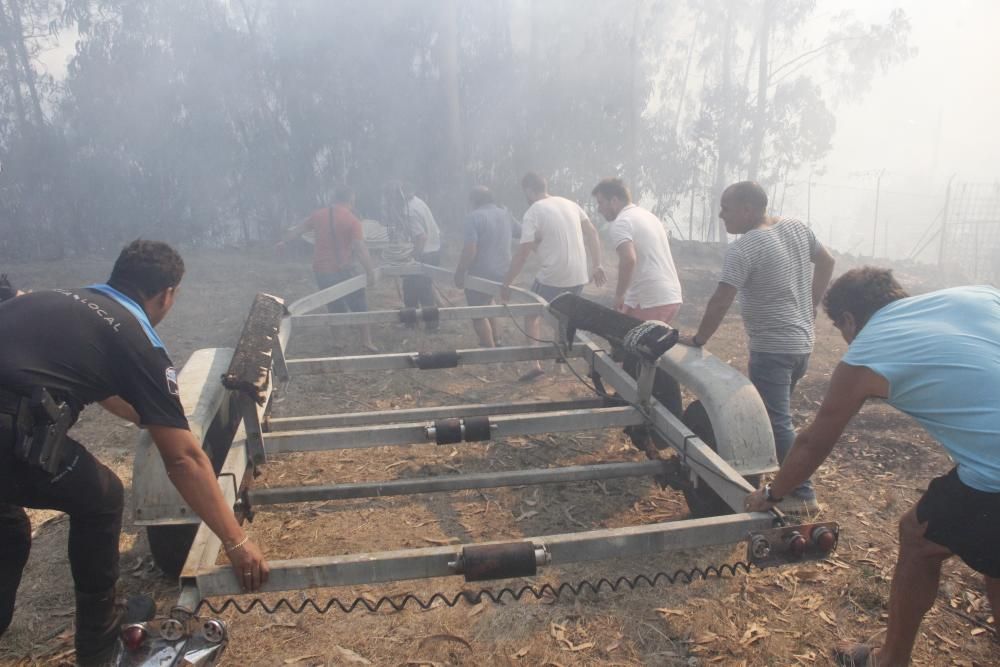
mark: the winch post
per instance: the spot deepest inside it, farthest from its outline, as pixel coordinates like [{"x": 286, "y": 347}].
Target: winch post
[{"x": 645, "y": 383}]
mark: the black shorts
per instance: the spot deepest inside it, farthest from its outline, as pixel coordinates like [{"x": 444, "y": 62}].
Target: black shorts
[
  {"x": 965, "y": 520},
  {"x": 549, "y": 293},
  {"x": 474, "y": 298}
]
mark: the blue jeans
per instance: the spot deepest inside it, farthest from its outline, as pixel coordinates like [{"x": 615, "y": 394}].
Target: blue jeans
[{"x": 775, "y": 375}]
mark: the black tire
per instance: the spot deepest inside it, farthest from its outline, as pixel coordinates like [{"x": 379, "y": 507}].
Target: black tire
[
  {"x": 703, "y": 501},
  {"x": 170, "y": 545}
]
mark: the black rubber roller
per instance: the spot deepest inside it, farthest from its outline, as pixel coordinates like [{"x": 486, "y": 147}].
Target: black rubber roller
[
  {"x": 477, "y": 429},
  {"x": 430, "y": 315},
  {"x": 447, "y": 431},
  {"x": 431, "y": 360},
  {"x": 499, "y": 561},
  {"x": 408, "y": 315}
]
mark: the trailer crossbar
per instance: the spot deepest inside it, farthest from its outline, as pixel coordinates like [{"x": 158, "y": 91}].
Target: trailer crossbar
[
  {"x": 275, "y": 424},
  {"x": 451, "y": 314},
  {"x": 422, "y": 563},
  {"x": 408, "y": 360},
  {"x": 486, "y": 480},
  {"x": 362, "y": 437}
]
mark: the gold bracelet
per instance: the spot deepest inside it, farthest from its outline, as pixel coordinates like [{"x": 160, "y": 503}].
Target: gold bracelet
[{"x": 239, "y": 544}]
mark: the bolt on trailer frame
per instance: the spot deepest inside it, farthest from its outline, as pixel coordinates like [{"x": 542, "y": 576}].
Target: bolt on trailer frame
[{"x": 233, "y": 419}]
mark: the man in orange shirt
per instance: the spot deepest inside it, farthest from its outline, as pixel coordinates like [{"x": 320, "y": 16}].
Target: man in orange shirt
[{"x": 339, "y": 245}]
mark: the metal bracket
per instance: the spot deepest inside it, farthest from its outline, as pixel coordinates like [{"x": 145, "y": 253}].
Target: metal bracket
[
  {"x": 243, "y": 506},
  {"x": 279, "y": 369},
  {"x": 647, "y": 378},
  {"x": 255, "y": 436}
]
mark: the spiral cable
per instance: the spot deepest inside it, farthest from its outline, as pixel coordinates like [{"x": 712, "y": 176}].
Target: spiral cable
[{"x": 399, "y": 603}]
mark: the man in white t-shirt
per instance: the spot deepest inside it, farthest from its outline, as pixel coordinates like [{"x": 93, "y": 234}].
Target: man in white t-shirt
[
  {"x": 414, "y": 219},
  {"x": 648, "y": 287},
  {"x": 563, "y": 236}
]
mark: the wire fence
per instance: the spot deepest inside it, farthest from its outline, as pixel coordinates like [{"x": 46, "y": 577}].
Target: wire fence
[{"x": 970, "y": 243}]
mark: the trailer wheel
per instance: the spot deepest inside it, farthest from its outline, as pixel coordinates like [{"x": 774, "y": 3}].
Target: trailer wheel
[
  {"x": 702, "y": 500},
  {"x": 170, "y": 545}
]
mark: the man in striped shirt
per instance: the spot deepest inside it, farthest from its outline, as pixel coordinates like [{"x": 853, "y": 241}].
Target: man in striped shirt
[{"x": 780, "y": 272}]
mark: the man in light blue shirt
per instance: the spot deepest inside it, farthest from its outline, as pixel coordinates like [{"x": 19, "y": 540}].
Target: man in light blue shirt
[{"x": 935, "y": 357}]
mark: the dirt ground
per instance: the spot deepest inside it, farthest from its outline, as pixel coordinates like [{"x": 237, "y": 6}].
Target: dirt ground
[{"x": 784, "y": 616}]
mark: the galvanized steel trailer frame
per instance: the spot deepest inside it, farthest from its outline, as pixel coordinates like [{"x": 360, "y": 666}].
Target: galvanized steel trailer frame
[{"x": 246, "y": 433}]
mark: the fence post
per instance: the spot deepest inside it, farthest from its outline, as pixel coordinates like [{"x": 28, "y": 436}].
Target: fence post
[{"x": 944, "y": 222}]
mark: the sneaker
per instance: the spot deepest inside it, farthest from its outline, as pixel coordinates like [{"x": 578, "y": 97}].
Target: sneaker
[{"x": 800, "y": 503}]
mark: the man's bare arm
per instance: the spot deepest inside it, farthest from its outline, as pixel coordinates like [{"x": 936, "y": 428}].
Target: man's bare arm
[
  {"x": 516, "y": 266},
  {"x": 360, "y": 250},
  {"x": 822, "y": 272},
  {"x": 592, "y": 241},
  {"x": 464, "y": 262},
  {"x": 849, "y": 388},
  {"x": 715, "y": 311},
  {"x": 626, "y": 267},
  {"x": 119, "y": 407},
  {"x": 418, "y": 245},
  {"x": 190, "y": 470}
]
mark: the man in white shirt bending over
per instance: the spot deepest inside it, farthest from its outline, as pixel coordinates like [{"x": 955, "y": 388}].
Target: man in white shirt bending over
[{"x": 563, "y": 236}]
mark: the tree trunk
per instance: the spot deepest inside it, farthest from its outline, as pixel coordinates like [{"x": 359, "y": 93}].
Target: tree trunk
[
  {"x": 631, "y": 170},
  {"x": 763, "y": 79},
  {"x": 455, "y": 184},
  {"x": 7, "y": 36},
  {"x": 725, "y": 129},
  {"x": 22, "y": 50},
  {"x": 682, "y": 93},
  {"x": 524, "y": 152}
]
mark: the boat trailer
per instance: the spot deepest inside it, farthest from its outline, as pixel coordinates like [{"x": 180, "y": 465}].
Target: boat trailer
[{"x": 714, "y": 452}]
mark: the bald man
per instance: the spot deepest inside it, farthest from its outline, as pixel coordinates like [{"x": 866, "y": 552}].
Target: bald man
[{"x": 780, "y": 272}]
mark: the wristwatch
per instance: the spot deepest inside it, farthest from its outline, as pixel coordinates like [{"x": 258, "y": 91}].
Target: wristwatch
[{"x": 768, "y": 496}]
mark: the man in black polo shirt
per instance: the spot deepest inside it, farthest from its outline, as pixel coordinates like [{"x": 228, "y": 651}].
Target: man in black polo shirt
[{"x": 97, "y": 345}]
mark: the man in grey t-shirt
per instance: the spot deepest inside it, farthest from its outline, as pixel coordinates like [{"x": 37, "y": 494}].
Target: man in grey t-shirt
[
  {"x": 780, "y": 272},
  {"x": 489, "y": 230}
]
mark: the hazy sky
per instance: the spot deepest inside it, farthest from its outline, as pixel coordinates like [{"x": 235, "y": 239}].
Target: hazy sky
[{"x": 954, "y": 77}]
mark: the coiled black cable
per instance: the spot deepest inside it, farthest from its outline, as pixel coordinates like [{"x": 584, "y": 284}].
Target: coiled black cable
[{"x": 397, "y": 603}]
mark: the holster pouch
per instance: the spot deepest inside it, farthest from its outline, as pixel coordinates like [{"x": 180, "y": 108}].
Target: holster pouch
[{"x": 40, "y": 431}]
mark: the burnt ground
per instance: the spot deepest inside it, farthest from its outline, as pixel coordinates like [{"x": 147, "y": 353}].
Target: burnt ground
[{"x": 790, "y": 615}]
